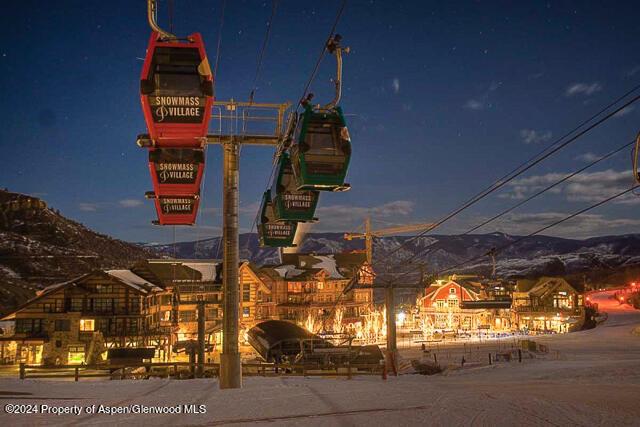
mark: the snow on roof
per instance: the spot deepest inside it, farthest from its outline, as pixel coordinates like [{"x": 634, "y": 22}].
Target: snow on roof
[
  {"x": 328, "y": 264},
  {"x": 129, "y": 278},
  {"x": 287, "y": 271},
  {"x": 208, "y": 270}
]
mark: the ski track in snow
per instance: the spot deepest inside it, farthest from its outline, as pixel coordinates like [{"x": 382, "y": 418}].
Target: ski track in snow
[{"x": 596, "y": 381}]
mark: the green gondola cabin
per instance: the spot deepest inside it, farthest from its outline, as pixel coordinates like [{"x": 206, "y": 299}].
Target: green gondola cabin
[
  {"x": 322, "y": 150},
  {"x": 289, "y": 203},
  {"x": 271, "y": 232}
]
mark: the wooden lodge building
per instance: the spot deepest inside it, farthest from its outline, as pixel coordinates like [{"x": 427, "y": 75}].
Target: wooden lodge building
[
  {"x": 312, "y": 285},
  {"x": 459, "y": 304},
  {"x": 74, "y": 321},
  {"x": 549, "y": 304},
  {"x": 154, "y": 305}
]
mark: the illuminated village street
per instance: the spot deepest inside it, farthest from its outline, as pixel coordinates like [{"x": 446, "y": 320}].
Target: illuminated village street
[
  {"x": 337, "y": 213},
  {"x": 595, "y": 379}
]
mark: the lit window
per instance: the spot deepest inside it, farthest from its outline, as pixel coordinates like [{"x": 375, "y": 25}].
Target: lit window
[
  {"x": 87, "y": 325},
  {"x": 187, "y": 316},
  {"x": 246, "y": 312},
  {"x": 320, "y": 285}
]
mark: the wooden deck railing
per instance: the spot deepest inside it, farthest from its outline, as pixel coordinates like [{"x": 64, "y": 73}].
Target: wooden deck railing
[{"x": 189, "y": 370}]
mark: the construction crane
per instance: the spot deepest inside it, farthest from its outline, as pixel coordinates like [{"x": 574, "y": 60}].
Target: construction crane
[{"x": 369, "y": 234}]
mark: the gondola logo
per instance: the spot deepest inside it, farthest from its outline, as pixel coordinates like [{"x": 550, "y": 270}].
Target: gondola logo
[
  {"x": 176, "y": 173},
  {"x": 177, "y": 205},
  {"x": 298, "y": 201},
  {"x": 279, "y": 230},
  {"x": 177, "y": 109}
]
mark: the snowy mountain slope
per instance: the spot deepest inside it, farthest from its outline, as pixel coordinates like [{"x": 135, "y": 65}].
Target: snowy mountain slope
[
  {"x": 38, "y": 246},
  {"x": 533, "y": 256}
]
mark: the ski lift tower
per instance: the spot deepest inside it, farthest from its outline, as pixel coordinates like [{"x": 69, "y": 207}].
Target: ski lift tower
[{"x": 239, "y": 123}]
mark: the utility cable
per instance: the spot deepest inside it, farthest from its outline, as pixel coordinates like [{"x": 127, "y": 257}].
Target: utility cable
[
  {"x": 538, "y": 231},
  {"x": 520, "y": 170},
  {"x": 422, "y": 253}
]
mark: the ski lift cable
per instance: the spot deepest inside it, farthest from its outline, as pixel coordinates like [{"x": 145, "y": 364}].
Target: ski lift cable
[
  {"x": 548, "y": 152},
  {"x": 546, "y": 227},
  {"x": 490, "y": 189},
  {"x": 218, "y": 47},
  {"x": 313, "y": 75},
  {"x": 611, "y": 153},
  {"x": 252, "y": 95},
  {"x": 254, "y": 87},
  {"x": 170, "y": 13}
]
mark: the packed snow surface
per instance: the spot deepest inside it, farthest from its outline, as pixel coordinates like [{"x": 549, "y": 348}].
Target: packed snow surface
[
  {"x": 328, "y": 264},
  {"x": 594, "y": 381},
  {"x": 208, "y": 270},
  {"x": 288, "y": 271}
]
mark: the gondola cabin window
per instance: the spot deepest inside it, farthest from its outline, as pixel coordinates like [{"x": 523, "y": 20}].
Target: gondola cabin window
[
  {"x": 321, "y": 139},
  {"x": 175, "y": 72}
]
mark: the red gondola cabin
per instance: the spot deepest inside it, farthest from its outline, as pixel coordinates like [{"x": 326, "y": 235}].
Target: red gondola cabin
[
  {"x": 176, "y": 90},
  {"x": 176, "y": 171},
  {"x": 176, "y": 210}
]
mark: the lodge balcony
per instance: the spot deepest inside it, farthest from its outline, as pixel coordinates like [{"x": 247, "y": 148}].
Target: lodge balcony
[{"x": 547, "y": 309}]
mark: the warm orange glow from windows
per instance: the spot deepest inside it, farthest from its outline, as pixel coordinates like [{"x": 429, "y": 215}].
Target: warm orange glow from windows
[{"x": 87, "y": 325}]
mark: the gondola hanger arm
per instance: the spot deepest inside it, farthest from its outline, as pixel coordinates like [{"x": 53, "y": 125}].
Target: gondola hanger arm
[
  {"x": 334, "y": 47},
  {"x": 151, "y": 16}
]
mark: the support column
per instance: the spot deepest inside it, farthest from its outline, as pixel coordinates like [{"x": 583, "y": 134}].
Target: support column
[
  {"x": 392, "y": 352},
  {"x": 201, "y": 325},
  {"x": 230, "y": 367}
]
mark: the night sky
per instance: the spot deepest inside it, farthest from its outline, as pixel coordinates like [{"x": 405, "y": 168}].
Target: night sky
[{"x": 442, "y": 98}]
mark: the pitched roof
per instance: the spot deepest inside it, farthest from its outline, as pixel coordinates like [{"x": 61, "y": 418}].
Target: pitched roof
[
  {"x": 167, "y": 271},
  {"x": 548, "y": 285},
  {"x": 126, "y": 277},
  {"x": 134, "y": 281}
]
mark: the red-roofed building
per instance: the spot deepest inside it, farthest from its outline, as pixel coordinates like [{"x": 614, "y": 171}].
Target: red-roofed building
[{"x": 441, "y": 307}]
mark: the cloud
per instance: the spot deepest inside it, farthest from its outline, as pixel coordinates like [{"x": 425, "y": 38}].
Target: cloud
[
  {"x": 130, "y": 203},
  {"x": 585, "y": 225},
  {"x": 632, "y": 72},
  {"x": 530, "y": 136},
  {"x": 483, "y": 102},
  {"x": 344, "y": 217},
  {"x": 88, "y": 207},
  {"x": 474, "y": 104},
  {"x": 587, "y": 157},
  {"x": 585, "y": 187},
  {"x": 586, "y": 89},
  {"x": 395, "y": 84}
]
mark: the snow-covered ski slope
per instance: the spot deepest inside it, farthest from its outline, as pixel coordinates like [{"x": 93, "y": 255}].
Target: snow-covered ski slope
[{"x": 596, "y": 381}]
